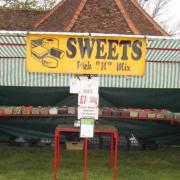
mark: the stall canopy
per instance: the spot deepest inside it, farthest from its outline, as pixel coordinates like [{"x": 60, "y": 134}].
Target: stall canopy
[
  {"x": 162, "y": 66},
  {"x": 158, "y": 88}
]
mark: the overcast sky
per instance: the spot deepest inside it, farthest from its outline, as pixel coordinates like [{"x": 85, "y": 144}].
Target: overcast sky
[
  {"x": 170, "y": 16},
  {"x": 174, "y": 10}
]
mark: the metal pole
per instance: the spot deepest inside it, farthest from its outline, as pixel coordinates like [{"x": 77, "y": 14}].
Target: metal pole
[{"x": 85, "y": 158}]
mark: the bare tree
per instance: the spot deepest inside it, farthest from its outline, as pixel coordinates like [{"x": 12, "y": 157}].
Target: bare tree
[
  {"x": 47, "y": 4},
  {"x": 154, "y": 7},
  {"x": 142, "y": 2},
  {"x": 157, "y": 10},
  {"x": 175, "y": 30},
  {"x": 28, "y": 4}
]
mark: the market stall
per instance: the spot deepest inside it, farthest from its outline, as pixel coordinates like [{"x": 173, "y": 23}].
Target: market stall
[{"x": 155, "y": 92}]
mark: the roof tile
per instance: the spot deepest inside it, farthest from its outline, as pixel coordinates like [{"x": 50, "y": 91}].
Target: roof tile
[
  {"x": 101, "y": 16},
  {"x": 18, "y": 19},
  {"x": 60, "y": 17},
  {"x": 98, "y": 16}
]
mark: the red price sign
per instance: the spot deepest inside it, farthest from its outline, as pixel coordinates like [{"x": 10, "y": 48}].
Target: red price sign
[
  {"x": 82, "y": 99},
  {"x": 88, "y": 100}
]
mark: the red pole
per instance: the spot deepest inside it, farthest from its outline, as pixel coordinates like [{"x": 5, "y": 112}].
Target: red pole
[
  {"x": 59, "y": 150},
  {"x": 111, "y": 152},
  {"x": 115, "y": 154},
  {"x": 55, "y": 155},
  {"x": 85, "y": 158}
]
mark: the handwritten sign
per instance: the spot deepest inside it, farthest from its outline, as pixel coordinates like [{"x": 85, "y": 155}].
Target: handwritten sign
[
  {"x": 89, "y": 85},
  {"x": 88, "y": 112},
  {"x": 87, "y": 128},
  {"x": 75, "y": 86},
  {"x": 88, "y": 100}
]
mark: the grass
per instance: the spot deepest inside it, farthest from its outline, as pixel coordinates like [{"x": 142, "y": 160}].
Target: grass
[{"x": 22, "y": 163}]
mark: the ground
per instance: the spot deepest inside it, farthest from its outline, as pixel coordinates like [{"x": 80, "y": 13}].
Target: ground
[{"x": 24, "y": 163}]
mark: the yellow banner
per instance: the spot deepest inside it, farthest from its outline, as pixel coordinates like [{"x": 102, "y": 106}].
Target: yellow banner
[{"x": 86, "y": 54}]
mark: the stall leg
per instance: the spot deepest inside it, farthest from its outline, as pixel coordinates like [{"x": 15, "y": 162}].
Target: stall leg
[
  {"x": 59, "y": 150},
  {"x": 85, "y": 158},
  {"x": 111, "y": 151},
  {"x": 115, "y": 155},
  {"x": 55, "y": 154}
]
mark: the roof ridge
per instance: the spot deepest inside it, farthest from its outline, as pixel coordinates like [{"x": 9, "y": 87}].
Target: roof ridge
[
  {"x": 40, "y": 21},
  {"x": 122, "y": 8},
  {"x": 149, "y": 18},
  {"x": 76, "y": 15}
]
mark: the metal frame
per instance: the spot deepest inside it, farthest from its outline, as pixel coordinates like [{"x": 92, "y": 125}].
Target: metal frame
[{"x": 113, "y": 147}]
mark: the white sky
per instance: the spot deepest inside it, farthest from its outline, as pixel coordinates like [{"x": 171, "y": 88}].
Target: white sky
[
  {"x": 174, "y": 10},
  {"x": 170, "y": 16}
]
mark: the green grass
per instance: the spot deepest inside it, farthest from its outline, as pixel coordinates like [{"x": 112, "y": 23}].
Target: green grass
[{"x": 22, "y": 163}]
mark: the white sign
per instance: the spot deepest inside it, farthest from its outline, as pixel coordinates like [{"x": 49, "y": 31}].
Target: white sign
[
  {"x": 87, "y": 128},
  {"x": 89, "y": 85},
  {"x": 88, "y": 112},
  {"x": 88, "y": 100},
  {"x": 84, "y": 85},
  {"x": 75, "y": 86}
]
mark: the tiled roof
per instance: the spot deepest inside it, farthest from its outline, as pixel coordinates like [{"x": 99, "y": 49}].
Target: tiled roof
[
  {"x": 103, "y": 16},
  {"x": 18, "y": 19},
  {"x": 99, "y": 16},
  {"x": 58, "y": 20},
  {"x": 142, "y": 20}
]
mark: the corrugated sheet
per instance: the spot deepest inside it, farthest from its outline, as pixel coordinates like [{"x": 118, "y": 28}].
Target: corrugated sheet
[
  {"x": 12, "y": 73},
  {"x": 12, "y": 39},
  {"x": 170, "y": 50},
  {"x": 158, "y": 75},
  {"x": 12, "y": 46},
  {"x": 163, "y": 72}
]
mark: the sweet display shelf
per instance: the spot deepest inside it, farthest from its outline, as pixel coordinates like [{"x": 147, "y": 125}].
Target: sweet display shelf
[
  {"x": 100, "y": 117},
  {"x": 37, "y": 115},
  {"x": 104, "y": 113}
]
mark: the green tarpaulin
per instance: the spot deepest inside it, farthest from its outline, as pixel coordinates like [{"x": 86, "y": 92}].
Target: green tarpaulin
[{"x": 162, "y": 132}]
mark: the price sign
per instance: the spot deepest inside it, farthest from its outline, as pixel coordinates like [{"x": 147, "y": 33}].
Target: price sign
[
  {"x": 75, "y": 86},
  {"x": 88, "y": 112},
  {"x": 84, "y": 85},
  {"x": 89, "y": 86},
  {"x": 88, "y": 100},
  {"x": 87, "y": 128}
]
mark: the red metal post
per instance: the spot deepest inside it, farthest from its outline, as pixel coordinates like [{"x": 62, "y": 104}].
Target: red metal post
[
  {"x": 115, "y": 154},
  {"x": 59, "y": 150},
  {"x": 111, "y": 151},
  {"x": 55, "y": 155},
  {"x": 85, "y": 158}
]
